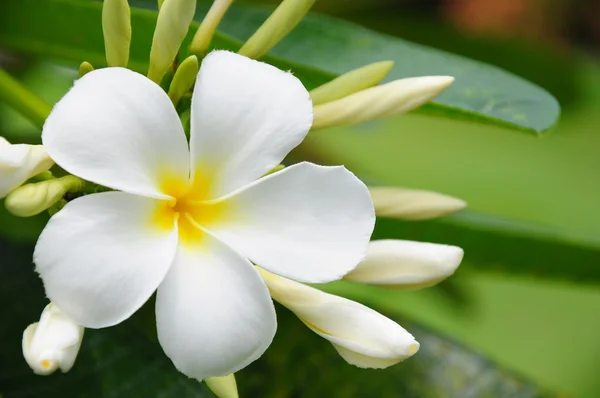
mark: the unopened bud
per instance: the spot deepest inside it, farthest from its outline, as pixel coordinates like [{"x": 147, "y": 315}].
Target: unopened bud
[
  {"x": 223, "y": 387},
  {"x": 116, "y": 27},
  {"x": 52, "y": 343},
  {"x": 173, "y": 22},
  {"x": 387, "y": 100},
  {"x": 413, "y": 204},
  {"x": 20, "y": 162},
  {"x": 207, "y": 28},
  {"x": 31, "y": 199},
  {"x": 351, "y": 82},
  {"x": 276, "y": 27},
  {"x": 184, "y": 78},
  {"x": 85, "y": 68},
  {"x": 362, "y": 336},
  {"x": 406, "y": 264}
]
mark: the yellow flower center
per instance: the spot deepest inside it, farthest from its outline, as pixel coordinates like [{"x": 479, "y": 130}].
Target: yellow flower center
[{"x": 189, "y": 208}]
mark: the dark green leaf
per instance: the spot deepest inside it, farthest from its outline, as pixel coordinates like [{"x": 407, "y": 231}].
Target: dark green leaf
[
  {"x": 124, "y": 362},
  {"x": 317, "y": 50}
]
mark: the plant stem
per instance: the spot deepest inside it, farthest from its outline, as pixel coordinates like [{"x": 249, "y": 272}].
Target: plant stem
[{"x": 22, "y": 100}]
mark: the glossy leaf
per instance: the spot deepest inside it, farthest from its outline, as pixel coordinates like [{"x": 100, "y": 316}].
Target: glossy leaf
[
  {"x": 126, "y": 361},
  {"x": 316, "y": 51}
]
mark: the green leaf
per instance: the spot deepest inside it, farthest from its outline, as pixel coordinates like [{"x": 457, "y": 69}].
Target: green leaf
[
  {"x": 316, "y": 51},
  {"x": 125, "y": 362}
]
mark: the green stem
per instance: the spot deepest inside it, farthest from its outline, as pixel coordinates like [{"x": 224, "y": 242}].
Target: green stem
[{"x": 22, "y": 100}]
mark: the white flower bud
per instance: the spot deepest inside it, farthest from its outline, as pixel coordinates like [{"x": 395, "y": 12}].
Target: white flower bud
[
  {"x": 20, "y": 162},
  {"x": 413, "y": 204},
  {"x": 377, "y": 102},
  {"x": 52, "y": 343},
  {"x": 406, "y": 264},
  {"x": 223, "y": 387},
  {"x": 173, "y": 22},
  {"x": 362, "y": 336}
]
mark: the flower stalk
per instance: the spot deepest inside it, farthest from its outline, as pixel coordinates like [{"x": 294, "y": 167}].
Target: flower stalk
[
  {"x": 207, "y": 28},
  {"x": 276, "y": 27}
]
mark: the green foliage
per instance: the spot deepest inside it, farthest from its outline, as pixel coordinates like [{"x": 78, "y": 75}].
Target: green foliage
[
  {"x": 316, "y": 51},
  {"x": 126, "y": 360}
]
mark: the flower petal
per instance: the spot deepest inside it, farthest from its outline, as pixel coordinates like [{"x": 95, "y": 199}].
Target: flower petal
[
  {"x": 307, "y": 222},
  {"x": 101, "y": 257},
  {"x": 214, "y": 314},
  {"x": 20, "y": 162},
  {"x": 118, "y": 129},
  {"x": 362, "y": 336},
  {"x": 246, "y": 117},
  {"x": 406, "y": 264}
]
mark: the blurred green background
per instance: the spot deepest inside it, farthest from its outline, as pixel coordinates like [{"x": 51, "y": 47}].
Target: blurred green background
[{"x": 544, "y": 328}]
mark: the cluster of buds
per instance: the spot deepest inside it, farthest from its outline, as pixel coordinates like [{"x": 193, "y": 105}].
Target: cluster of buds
[{"x": 361, "y": 336}]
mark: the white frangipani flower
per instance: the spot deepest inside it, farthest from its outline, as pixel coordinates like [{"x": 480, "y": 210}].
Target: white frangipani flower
[
  {"x": 20, "y": 162},
  {"x": 52, "y": 343},
  {"x": 362, "y": 336},
  {"x": 189, "y": 221},
  {"x": 406, "y": 264}
]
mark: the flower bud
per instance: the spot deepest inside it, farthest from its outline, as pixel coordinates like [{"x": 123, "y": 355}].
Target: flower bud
[
  {"x": 207, "y": 28},
  {"x": 413, "y": 204},
  {"x": 389, "y": 99},
  {"x": 184, "y": 79},
  {"x": 406, "y": 264},
  {"x": 52, "y": 343},
  {"x": 20, "y": 162},
  {"x": 351, "y": 82},
  {"x": 173, "y": 22},
  {"x": 362, "y": 336},
  {"x": 31, "y": 199},
  {"x": 116, "y": 27},
  {"x": 223, "y": 387},
  {"x": 85, "y": 68},
  {"x": 281, "y": 22}
]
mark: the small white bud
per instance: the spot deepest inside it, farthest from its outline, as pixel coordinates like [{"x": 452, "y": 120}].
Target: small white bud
[
  {"x": 20, "y": 162},
  {"x": 406, "y": 264},
  {"x": 362, "y": 336},
  {"x": 52, "y": 343},
  {"x": 223, "y": 387},
  {"x": 413, "y": 204},
  {"x": 377, "y": 102}
]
